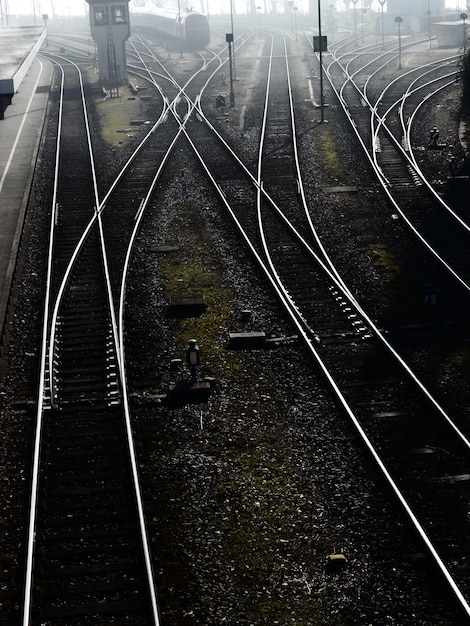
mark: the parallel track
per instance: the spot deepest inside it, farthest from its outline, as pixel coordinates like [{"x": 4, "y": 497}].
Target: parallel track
[
  {"x": 83, "y": 411},
  {"x": 89, "y": 560},
  {"x": 383, "y": 122},
  {"x": 87, "y": 550},
  {"x": 414, "y": 441}
]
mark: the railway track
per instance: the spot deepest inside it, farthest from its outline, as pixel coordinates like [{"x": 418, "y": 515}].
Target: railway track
[
  {"x": 436, "y": 226},
  {"x": 83, "y": 547},
  {"x": 87, "y": 555},
  {"x": 89, "y": 559},
  {"x": 376, "y": 387},
  {"x": 416, "y": 443},
  {"x": 382, "y": 126}
]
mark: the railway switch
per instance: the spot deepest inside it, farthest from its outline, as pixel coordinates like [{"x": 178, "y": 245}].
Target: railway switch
[
  {"x": 192, "y": 356},
  {"x": 434, "y": 134},
  {"x": 452, "y": 161}
]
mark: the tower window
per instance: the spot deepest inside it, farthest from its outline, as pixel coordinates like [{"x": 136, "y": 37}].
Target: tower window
[
  {"x": 119, "y": 14},
  {"x": 101, "y": 16}
]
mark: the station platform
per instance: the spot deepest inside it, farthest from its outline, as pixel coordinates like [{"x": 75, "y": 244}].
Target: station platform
[
  {"x": 18, "y": 49},
  {"x": 20, "y": 134}
]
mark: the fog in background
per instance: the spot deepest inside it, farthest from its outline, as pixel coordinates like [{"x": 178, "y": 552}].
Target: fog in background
[{"x": 75, "y": 8}]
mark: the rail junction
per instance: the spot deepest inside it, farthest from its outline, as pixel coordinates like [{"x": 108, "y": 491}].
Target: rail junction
[{"x": 252, "y": 487}]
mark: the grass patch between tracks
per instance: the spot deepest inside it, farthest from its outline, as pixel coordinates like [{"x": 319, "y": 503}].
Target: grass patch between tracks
[
  {"x": 193, "y": 270},
  {"x": 329, "y": 155},
  {"x": 115, "y": 116},
  {"x": 384, "y": 260}
]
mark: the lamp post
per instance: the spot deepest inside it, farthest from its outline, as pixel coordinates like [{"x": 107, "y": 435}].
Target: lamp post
[
  {"x": 382, "y": 2},
  {"x": 179, "y": 29},
  {"x": 258, "y": 10},
  {"x": 291, "y": 4},
  {"x": 398, "y": 21},
  {"x": 464, "y": 17},
  {"x": 4, "y": 10},
  {"x": 45, "y": 17},
  {"x": 355, "y": 22},
  {"x": 229, "y": 40},
  {"x": 233, "y": 52},
  {"x": 331, "y": 17},
  {"x": 294, "y": 11},
  {"x": 363, "y": 15},
  {"x": 318, "y": 46},
  {"x": 428, "y": 13}
]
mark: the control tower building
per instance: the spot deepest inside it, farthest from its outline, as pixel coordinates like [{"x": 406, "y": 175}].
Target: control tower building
[{"x": 109, "y": 25}]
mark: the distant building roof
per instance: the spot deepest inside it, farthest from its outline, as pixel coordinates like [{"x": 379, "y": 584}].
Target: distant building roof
[{"x": 450, "y": 34}]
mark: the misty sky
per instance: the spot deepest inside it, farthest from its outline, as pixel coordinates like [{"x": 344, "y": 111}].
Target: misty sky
[{"x": 79, "y": 7}]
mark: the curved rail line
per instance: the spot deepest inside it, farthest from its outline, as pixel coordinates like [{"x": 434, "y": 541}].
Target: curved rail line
[
  {"x": 397, "y": 182},
  {"x": 51, "y": 345},
  {"x": 339, "y": 295},
  {"x": 59, "y": 482},
  {"x": 311, "y": 338}
]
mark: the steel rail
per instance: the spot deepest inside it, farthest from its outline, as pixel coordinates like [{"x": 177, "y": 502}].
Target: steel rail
[
  {"x": 260, "y": 185},
  {"x": 340, "y": 285},
  {"x": 378, "y": 123},
  {"x": 49, "y": 345},
  {"x": 408, "y": 127},
  {"x": 137, "y": 222},
  {"x": 307, "y": 335},
  {"x": 65, "y": 280},
  {"x": 431, "y": 551},
  {"x": 362, "y": 92},
  {"x": 42, "y": 375},
  {"x": 385, "y": 183},
  {"x": 432, "y": 66},
  {"x": 309, "y": 340},
  {"x": 380, "y": 120},
  {"x": 100, "y": 206},
  {"x": 353, "y": 55},
  {"x": 409, "y": 155},
  {"x": 300, "y": 182},
  {"x": 388, "y": 190}
]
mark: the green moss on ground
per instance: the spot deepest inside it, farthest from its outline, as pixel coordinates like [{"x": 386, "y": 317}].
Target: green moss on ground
[
  {"x": 115, "y": 115},
  {"x": 193, "y": 271},
  {"x": 329, "y": 154}
]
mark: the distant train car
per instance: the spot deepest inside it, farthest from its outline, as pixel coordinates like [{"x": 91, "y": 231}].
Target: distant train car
[{"x": 188, "y": 27}]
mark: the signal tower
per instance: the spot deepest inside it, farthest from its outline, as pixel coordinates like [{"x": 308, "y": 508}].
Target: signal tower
[{"x": 109, "y": 26}]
